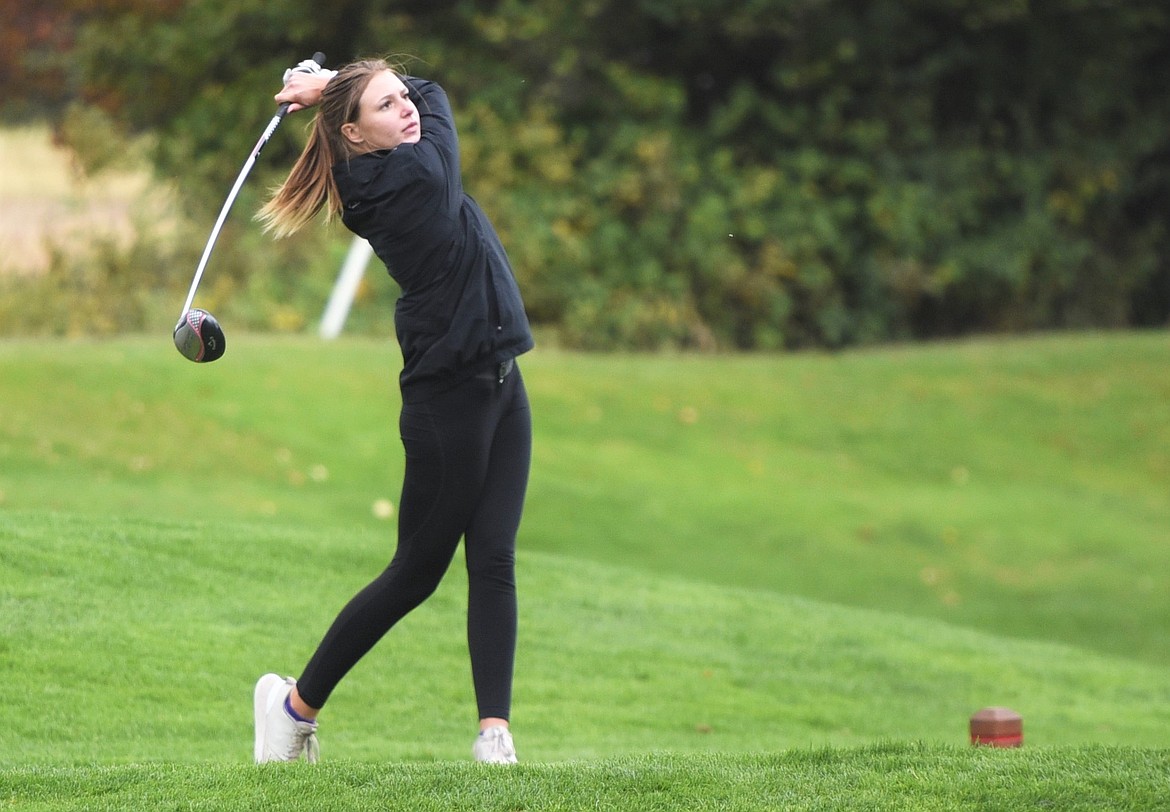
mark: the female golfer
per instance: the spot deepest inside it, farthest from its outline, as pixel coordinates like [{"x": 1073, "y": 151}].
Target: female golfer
[{"x": 383, "y": 152}]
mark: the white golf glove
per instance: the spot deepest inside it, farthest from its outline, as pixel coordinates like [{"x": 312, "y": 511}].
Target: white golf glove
[{"x": 310, "y": 67}]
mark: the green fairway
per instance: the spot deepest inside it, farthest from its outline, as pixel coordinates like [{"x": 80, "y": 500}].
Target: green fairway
[
  {"x": 746, "y": 582},
  {"x": 170, "y": 623},
  {"x": 1021, "y": 487}
]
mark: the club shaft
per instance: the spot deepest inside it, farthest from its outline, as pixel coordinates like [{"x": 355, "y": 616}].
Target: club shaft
[{"x": 227, "y": 205}]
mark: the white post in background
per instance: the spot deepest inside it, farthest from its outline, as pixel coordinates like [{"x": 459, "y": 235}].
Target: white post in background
[{"x": 345, "y": 288}]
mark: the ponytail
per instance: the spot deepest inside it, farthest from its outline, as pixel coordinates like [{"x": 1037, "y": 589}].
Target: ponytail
[{"x": 308, "y": 188}]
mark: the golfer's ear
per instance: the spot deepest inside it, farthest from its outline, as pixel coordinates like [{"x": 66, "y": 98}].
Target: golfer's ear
[{"x": 352, "y": 133}]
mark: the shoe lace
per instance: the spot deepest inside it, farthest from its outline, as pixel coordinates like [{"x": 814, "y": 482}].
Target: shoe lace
[
  {"x": 303, "y": 740},
  {"x": 312, "y": 748}
]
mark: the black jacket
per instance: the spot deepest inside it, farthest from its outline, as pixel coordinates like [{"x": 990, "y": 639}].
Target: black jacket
[{"x": 460, "y": 311}]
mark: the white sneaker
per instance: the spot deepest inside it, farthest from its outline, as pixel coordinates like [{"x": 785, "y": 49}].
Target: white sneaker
[
  {"x": 494, "y": 746},
  {"x": 279, "y": 737}
]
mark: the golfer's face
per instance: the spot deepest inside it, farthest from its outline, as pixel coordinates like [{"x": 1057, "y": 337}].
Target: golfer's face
[{"x": 386, "y": 116}]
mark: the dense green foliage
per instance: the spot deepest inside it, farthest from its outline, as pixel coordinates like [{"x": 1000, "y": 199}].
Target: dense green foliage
[{"x": 709, "y": 173}]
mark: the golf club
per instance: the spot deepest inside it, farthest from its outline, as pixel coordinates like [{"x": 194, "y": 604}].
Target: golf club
[{"x": 198, "y": 335}]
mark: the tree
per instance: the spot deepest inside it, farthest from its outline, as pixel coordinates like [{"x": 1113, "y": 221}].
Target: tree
[{"x": 778, "y": 173}]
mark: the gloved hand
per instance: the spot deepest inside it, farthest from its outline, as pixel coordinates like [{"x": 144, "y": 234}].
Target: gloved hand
[{"x": 310, "y": 67}]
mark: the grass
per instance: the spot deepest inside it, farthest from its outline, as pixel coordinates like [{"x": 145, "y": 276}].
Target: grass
[
  {"x": 1020, "y": 487},
  {"x": 884, "y": 777},
  {"x": 612, "y": 661},
  {"x": 746, "y": 582}
]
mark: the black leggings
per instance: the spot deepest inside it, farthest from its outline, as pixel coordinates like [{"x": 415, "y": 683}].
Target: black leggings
[{"x": 467, "y": 458}]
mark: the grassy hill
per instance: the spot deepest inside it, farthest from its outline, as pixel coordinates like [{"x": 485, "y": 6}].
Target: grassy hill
[
  {"x": 746, "y": 582},
  {"x": 1021, "y": 487}
]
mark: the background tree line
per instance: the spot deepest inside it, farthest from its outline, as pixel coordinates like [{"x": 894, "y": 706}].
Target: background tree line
[{"x": 690, "y": 173}]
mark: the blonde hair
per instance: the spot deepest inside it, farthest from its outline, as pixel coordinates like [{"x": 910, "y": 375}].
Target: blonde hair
[{"x": 310, "y": 185}]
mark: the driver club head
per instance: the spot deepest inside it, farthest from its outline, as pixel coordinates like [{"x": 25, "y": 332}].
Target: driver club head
[{"x": 199, "y": 337}]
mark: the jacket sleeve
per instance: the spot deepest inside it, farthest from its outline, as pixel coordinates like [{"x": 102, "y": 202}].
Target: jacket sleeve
[{"x": 438, "y": 122}]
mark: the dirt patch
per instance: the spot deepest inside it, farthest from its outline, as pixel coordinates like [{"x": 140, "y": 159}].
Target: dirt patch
[{"x": 45, "y": 203}]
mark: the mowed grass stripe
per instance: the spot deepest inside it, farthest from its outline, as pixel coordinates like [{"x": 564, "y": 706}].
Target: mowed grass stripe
[
  {"x": 1018, "y": 486},
  {"x": 130, "y": 640}
]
